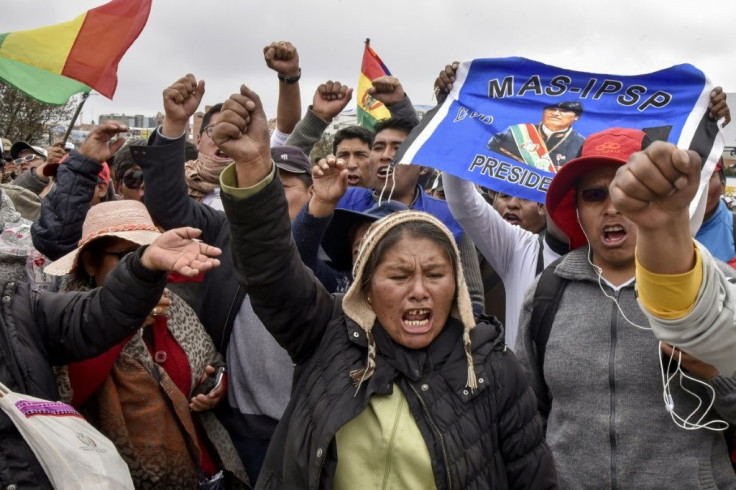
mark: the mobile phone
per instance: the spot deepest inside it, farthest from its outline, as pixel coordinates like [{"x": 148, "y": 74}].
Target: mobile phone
[{"x": 210, "y": 384}]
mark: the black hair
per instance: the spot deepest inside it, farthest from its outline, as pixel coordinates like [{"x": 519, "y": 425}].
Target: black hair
[
  {"x": 123, "y": 160},
  {"x": 306, "y": 178},
  {"x": 94, "y": 250},
  {"x": 397, "y": 123},
  {"x": 352, "y": 132},
  {"x": 426, "y": 180},
  {"x": 208, "y": 116},
  {"x": 190, "y": 151},
  {"x": 110, "y": 194},
  {"x": 410, "y": 229}
]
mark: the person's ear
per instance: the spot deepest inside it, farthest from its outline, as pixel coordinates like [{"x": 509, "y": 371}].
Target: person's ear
[
  {"x": 101, "y": 189},
  {"x": 542, "y": 210},
  {"x": 423, "y": 170}
]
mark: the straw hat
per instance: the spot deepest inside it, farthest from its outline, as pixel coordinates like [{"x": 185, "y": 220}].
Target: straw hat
[{"x": 127, "y": 219}]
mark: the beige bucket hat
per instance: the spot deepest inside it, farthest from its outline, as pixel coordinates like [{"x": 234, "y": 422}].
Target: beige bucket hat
[{"x": 126, "y": 219}]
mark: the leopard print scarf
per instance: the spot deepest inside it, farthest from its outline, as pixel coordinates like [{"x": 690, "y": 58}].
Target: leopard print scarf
[{"x": 159, "y": 449}]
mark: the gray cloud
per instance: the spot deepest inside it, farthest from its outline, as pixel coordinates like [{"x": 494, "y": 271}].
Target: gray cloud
[{"x": 221, "y": 41}]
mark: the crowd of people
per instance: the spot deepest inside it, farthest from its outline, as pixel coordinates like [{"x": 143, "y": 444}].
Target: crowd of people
[{"x": 234, "y": 314}]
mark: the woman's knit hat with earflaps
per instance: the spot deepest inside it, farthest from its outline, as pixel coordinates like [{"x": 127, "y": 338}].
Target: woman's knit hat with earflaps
[{"x": 356, "y": 306}]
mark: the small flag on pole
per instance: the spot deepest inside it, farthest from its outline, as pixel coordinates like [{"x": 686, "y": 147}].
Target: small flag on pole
[
  {"x": 369, "y": 109},
  {"x": 55, "y": 62}
]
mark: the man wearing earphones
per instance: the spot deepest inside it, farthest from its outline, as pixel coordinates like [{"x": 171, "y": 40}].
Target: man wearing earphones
[{"x": 598, "y": 381}]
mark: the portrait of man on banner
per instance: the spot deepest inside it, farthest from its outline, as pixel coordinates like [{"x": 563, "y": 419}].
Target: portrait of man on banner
[{"x": 547, "y": 145}]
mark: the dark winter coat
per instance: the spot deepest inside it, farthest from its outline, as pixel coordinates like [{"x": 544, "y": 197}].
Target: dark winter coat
[
  {"x": 40, "y": 330},
  {"x": 491, "y": 438}
]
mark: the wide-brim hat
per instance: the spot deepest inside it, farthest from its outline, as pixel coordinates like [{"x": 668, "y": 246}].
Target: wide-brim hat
[
  {"x": 611, "y": 147},
  {"x": 337, "y": 243},
  {"x": 126, "y": 219}
]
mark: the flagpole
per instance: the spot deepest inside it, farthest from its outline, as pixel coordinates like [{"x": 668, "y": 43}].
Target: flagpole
[{"x": 85, "y": 96}]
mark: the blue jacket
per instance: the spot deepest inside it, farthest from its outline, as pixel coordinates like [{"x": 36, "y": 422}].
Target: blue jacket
[
  {"x": 717, "y": 234},
  {"x": 59, "y": 228},
  {"x": 308, "y": 233}
]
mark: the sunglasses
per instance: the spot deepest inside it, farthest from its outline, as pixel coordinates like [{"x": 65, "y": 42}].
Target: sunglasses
[
  {"x": 27, "y": 158},
  {"x": 133, "y": 180},
  {"x": 594, "y": 194}
]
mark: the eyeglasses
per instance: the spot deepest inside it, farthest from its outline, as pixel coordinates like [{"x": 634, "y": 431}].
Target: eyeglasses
[
  {"x": 119, "y": 255},
  {"x": 133, "y": 180},
  {"x": 594, "y": 194},
  {"x": 208, "y": 130},
  {"x": 27, "y": 158}
]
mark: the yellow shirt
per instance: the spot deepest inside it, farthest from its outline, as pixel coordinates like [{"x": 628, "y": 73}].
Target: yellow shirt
[
  {"x": 669, "y": 296},
  {"x": 382, "y": 448}
]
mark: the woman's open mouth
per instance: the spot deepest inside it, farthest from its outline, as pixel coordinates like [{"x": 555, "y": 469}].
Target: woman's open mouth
[{"x": 417, "y": 321}]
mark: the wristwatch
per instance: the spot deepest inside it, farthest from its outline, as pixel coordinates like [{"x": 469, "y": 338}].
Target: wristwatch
[{"x": 293, "y": 79}]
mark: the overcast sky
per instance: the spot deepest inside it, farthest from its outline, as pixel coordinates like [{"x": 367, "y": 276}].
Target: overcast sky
[{"x": 221, "y": 41}]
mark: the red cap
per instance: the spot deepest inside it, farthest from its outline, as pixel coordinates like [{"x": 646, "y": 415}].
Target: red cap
[{"x": 611, "y": 147}]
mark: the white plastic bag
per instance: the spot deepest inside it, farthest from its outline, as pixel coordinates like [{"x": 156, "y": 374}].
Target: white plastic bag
[{"x": 73, "y": 454}]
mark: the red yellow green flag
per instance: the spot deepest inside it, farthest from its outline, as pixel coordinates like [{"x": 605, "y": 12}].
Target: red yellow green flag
[
  {"x": 369, "y": 109},
  {"x": 55, "y": 62}
]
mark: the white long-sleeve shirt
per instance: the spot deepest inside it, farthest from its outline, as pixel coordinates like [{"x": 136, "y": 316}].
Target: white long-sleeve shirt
[{"x": 511, "y": 250}]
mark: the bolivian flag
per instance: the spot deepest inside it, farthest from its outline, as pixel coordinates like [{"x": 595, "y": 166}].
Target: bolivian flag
[
  {"x": 369, "y": 109},
  {"x": 55, "y": 62}
]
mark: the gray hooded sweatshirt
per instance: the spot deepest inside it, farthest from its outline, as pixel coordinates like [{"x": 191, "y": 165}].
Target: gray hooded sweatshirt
[{"x": 608, "y": 426}]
